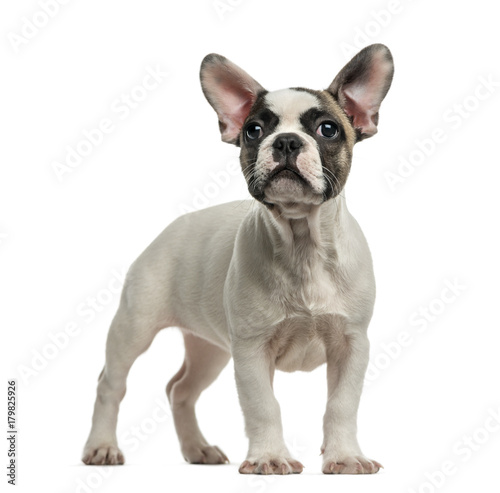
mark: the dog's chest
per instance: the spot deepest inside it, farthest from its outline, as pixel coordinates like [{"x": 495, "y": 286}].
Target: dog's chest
[
  {"x": 299, "y": 343},
  {"x": 307, "y": 277},
  {"x": 312, "y": 294},
  {"x": 318, "y": 292},
  {"x": 310, "y": 286}
]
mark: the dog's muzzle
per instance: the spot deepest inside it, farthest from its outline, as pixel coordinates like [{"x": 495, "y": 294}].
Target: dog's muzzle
[{"x": 286, "y": 148}]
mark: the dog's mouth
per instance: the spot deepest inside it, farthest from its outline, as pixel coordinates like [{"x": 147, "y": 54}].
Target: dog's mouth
[
  {"x": 288, "y": 173},
  {"x": 284, "y": 183}
]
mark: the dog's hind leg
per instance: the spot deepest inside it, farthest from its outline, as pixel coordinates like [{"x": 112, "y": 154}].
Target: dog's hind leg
[
  {"x": 130, "y": 335},
  {"x": 202, "y": 365}
]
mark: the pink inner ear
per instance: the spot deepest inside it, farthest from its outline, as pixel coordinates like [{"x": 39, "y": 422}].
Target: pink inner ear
[
  {"x": 363, "y": 98},
  {"x": 232, "y": 92},
  {"x": 362, "y": 112},
  {"x": 234, "y": 107}
]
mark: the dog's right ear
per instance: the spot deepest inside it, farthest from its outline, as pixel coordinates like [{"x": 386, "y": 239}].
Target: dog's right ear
[{"x": 230, "y": 91}]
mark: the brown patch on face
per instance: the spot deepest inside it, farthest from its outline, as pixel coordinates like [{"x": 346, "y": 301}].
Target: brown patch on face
[
  {"x": 328, "y": 100},
  {"x": 263, "y": 116},
  {"x": 336, "y": 153}
]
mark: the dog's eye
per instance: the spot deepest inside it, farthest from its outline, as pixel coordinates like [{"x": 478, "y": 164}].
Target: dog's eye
[
  {"x": 254, "y": 131},
  {"x": 328, "y": 130}
]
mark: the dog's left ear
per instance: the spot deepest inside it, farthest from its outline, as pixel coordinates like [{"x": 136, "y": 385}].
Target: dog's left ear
[
  {"x": 361, "y": 86},
  {"x": 230, "y": 91}
]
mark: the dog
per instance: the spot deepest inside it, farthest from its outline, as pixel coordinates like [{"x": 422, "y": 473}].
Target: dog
[{"x": 283, "y": 281}]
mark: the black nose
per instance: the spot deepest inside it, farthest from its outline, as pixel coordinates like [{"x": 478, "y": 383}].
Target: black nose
[{"x": 287, "y": 143}]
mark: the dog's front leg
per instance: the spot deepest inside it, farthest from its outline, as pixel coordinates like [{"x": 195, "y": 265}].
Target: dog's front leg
[
  {"x": 254, "y": 371},
  {"x": 346, "y": 367}
]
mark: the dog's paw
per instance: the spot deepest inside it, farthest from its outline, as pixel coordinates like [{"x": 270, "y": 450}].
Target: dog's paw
[
  {"x": 351, "y": 465},
  {"x": 204, "y": 454},
  {"x": 271, "y": 465},
  {"x": 109, "y": 455}
]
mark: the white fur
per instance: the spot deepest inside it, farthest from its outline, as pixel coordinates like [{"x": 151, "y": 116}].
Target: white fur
[{"x": 289, "y": 104}]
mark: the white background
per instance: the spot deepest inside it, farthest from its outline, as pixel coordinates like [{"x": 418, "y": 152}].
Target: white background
[{"x": 61, "y": 241}]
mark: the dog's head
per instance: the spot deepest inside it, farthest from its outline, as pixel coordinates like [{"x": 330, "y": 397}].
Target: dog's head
[{"x": 296, "y": 144}]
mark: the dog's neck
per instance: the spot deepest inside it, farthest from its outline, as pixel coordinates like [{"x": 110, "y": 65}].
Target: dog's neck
[{"x": 306, "y": 227}]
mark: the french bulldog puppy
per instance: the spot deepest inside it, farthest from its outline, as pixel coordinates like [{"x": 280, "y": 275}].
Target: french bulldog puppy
[{"x": 283, "y": 281}]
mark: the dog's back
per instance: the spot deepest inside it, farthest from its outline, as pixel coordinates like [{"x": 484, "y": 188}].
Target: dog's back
[{"x": 182, "y": 272}]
